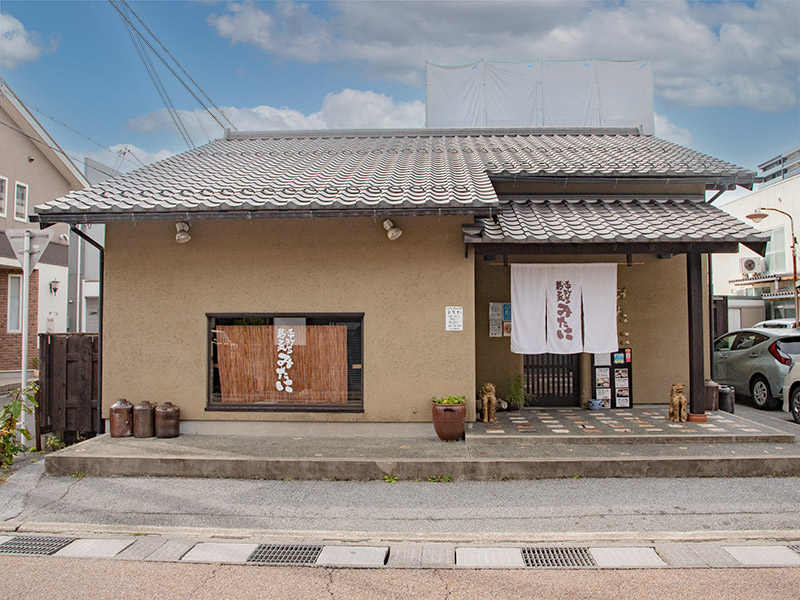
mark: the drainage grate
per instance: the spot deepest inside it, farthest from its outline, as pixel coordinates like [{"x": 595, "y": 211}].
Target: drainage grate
[
  {"x": 558, "y": 557},
  {"x": 34, "y": 545},
  {"x": 795, "y": 547},
  {"x": 284, "y": 554}
]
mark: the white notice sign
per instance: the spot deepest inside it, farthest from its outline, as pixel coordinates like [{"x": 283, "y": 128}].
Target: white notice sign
[{"x": 454, "y": 318}]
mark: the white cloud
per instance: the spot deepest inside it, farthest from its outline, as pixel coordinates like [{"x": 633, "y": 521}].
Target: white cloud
[
  {"x": 667, "y": 130},
  {"x": 18, "y": 45},
  {"x": 704, "y": 54},
  {"x": 348, "y": 109}
]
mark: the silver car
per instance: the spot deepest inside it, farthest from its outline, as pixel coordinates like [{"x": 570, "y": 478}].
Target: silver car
[
  {"x": 791, "y": 392},
  {"x": 755, "y": 362}
]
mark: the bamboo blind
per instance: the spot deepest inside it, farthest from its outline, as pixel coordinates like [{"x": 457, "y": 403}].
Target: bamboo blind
[{"x": 248, "y": 359}]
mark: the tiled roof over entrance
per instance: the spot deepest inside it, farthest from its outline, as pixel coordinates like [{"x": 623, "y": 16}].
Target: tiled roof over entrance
[
  {"x": 625, "y": 220},
  {"x": 363, "y": 171}
]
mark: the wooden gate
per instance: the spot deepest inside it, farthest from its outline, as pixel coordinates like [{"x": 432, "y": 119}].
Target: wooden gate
[
  {"x": 552, "y": 379},
  {"x": 67, "y": 385}
]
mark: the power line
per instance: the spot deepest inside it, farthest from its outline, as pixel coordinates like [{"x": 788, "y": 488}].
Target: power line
[
  {"x": 161, "y": 58},
  {"x": 95, "y": 142},
  {"x": 175, "y": 60},
  {"x": 74, "y": 159},
  {"x": 156, "y": 81}
]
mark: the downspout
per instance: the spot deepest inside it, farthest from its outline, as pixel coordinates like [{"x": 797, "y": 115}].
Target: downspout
[{"x": 100, "y": 249}]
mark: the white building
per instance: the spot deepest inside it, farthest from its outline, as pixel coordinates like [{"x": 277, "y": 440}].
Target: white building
[{"x": 755, "y": 287}]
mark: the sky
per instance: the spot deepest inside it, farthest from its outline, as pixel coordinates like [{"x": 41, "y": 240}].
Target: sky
[{"x": 726, "y": 74}]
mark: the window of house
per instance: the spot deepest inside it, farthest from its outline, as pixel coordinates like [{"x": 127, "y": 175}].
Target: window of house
[
  {"x": 21, "y": 202},
  {"x": 15, "y": 303},
  {"x": 286, "y": 362},
  {"x": 776, "y": 251},
  {"x": 3, "y": 194}
]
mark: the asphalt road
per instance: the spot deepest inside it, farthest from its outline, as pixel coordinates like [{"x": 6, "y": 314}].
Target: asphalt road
[{"x": 45, "y": 578}]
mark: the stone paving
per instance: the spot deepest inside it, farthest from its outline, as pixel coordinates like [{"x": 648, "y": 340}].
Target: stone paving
[
  {"x": 648, "y": 421},
  {"x": 438, "y": 555}
]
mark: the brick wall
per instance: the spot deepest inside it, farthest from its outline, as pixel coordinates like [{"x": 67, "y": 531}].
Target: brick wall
[{"x": 11, "y": 343}]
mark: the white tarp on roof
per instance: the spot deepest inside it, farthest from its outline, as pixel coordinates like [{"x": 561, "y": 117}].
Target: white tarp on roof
[{"x": 540, "y": 93}]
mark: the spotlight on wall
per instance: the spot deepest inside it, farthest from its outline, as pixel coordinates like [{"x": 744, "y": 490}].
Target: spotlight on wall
[
  {"x": 392, "y": 232},
  {"x": 183, "y": 233},
  {"x": 54, "y": 286}
]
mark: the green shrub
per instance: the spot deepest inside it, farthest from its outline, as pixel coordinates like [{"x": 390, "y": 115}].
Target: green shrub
[{"x": 22, "y": 402}]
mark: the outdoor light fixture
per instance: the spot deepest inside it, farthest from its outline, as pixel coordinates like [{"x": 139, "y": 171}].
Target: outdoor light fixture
[
  {"x": 392, "y": 232},
  {"x": 759, "y": 215},
  {"x": 183, "y": 233},
  {"x": 54, "y": 286}
]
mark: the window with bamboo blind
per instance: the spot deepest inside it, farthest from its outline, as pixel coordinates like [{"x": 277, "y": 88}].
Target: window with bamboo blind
[{"x": 285, "y": 362}]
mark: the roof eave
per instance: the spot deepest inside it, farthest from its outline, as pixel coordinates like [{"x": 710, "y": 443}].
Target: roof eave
[
  {"x": 51, "y": 218},
  {"x": 746, "y": 179}
]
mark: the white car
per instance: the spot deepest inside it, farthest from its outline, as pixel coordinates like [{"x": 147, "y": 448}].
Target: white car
[
  {"x": 776, "y": 324},
  {"x": 791, "y": 392}
]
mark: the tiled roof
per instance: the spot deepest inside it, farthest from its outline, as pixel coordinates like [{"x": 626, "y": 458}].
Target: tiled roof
[
  {"x": 553, "y": 220},
  {"x": 369, "y": 170}
]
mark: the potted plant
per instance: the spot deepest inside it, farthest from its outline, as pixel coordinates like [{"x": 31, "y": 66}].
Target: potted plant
[{"x": 449, "y": 415}]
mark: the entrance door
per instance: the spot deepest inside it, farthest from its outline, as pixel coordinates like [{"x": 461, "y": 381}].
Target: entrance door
[{"x": 552, "y": 379}]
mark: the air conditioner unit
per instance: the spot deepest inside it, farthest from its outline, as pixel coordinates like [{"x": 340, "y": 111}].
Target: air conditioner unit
[{"x": 751, "y": 265}]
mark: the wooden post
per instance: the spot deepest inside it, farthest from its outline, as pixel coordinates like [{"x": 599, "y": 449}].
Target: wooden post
[{"x": 694, "y": 279}]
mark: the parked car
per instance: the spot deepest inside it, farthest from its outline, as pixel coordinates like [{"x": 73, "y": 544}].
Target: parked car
[
  {"x": 755, "y": 362},
  {"x": 775, "y": 324},
  {"x": 791, "y": 392}
]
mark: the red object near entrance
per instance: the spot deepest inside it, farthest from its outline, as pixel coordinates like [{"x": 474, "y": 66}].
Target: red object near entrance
[{"x": 448, "y": 421}]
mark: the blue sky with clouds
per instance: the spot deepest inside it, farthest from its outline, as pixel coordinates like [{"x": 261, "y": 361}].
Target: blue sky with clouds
[{"x": 726, "y": 74}]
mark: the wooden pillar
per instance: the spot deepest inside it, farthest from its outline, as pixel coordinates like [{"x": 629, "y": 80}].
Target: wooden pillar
[{"x": 694, "y": 278}]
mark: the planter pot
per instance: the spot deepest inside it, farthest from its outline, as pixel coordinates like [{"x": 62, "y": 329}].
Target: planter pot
[{"x": 448, "y": 421}]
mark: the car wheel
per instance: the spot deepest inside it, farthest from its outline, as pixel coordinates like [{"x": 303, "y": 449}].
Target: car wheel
[
  {"x": 794, "y": 405},
  {"x": 759, "y": 392}
]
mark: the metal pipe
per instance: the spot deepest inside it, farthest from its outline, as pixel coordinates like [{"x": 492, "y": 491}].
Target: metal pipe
[
  {"x": 100, "y": 249},
  {"x": 24, "y": 297}
]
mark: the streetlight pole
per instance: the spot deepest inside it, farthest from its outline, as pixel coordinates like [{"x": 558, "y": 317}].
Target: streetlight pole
[{"x": 758, "y": 216}]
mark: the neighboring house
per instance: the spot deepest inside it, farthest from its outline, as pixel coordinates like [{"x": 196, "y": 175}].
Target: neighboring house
[
  {"x": 750, "y": 287},
  {"x": 338, "y": 277},
  {"x": 33, "y": 170},
  {"x": 83, "y": 286}
]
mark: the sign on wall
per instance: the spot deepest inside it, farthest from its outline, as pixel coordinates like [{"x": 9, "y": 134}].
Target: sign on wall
[
  {"x": 499, "y": 319},
  {"x": 454, "y": 318}
]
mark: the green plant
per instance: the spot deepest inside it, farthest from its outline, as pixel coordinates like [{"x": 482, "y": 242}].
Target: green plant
[
  {"x": 53, "y": 442},
  {"x": 516, "y": 395},
  {"x": 22, "y": 402},
  {"x": 78, "y": 475},
  {"x": 390, "y": 478},
  {"x": 450, "y": 400},
  {"x": 440, "y": 479}
]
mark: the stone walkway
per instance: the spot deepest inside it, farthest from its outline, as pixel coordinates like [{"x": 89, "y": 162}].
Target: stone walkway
[{"x": 648, "y": 422}]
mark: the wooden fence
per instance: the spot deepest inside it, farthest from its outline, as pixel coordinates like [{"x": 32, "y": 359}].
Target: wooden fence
[{"x": 67, "y": 385}]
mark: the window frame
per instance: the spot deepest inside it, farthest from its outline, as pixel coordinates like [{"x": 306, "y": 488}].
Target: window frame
[
  {"x": 4, "y": 197},
  {"x": 19, "y": 184},
  {"x": 212, "y": 406},
  {"x": 8, "y": 305}
]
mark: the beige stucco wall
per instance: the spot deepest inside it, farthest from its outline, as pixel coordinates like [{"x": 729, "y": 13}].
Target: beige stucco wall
[
  {"x": 656, "y": 305},
  {"x": 157, "y": 294}
]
